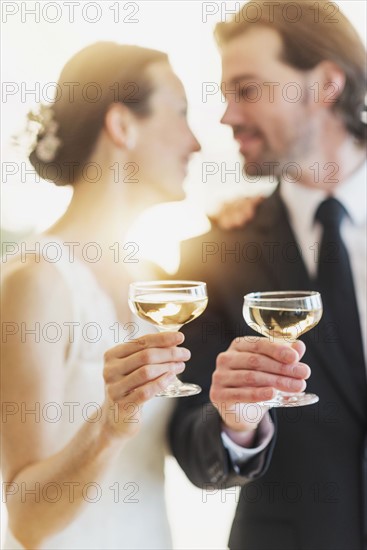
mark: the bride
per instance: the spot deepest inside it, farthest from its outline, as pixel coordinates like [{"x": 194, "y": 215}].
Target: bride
[{"x": 81, "y": 468}]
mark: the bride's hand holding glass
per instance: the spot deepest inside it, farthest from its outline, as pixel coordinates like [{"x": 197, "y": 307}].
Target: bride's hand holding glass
[
  {"x": 168, "y": 305},
  {"x": 136, "y": 371}
]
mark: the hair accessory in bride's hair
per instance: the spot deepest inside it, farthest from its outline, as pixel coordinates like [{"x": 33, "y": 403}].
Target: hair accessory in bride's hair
[{"x": 47, "y": 143}]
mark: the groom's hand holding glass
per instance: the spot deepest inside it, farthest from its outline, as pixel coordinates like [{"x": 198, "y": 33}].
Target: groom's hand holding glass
[{"x": 253, "y": 370}]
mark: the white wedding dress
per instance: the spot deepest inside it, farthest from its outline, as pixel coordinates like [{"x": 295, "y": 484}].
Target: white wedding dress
[{"x": 126, "y": 509}]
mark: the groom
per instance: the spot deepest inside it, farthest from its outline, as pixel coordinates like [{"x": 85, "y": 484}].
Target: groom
[{"x": 296, "y": 114}]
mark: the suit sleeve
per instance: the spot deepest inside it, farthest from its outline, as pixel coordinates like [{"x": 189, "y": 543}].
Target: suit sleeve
[{"x": 195, "y": 428}]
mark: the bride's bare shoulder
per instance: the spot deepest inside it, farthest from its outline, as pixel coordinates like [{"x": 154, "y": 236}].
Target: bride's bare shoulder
[{"x": 33, "y": 280}]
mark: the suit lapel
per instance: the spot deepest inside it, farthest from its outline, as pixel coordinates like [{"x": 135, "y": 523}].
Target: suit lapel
[
  {"x": 286, "y": 270},
  {"x": 280, "y": 252}
]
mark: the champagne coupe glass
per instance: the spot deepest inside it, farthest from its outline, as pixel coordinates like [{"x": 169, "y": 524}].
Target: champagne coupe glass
[
  {"x": 283, "y": 316},
  {"x": 168, "y": 305}
]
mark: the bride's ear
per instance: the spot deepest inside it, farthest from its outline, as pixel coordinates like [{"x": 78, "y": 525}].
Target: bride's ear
[
  {"x": 131, "y": 137},
  {"x": 120, "y": 126}
]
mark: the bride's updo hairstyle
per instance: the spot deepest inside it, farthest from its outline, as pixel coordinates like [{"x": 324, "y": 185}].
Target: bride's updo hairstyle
[{"x": 95, "y": 77}]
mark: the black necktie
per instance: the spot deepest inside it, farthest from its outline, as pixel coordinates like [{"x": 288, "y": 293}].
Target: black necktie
[{"x": 335, "y": 282}]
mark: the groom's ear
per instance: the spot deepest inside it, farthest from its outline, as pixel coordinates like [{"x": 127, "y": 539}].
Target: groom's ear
[{"x": 328, "y": 82}]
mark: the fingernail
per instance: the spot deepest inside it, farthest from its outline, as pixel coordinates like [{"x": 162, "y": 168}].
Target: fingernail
[
  {"x": 299, "y": 344},
  {"x": 300, "y": 371},
  {"x": 295, "y": 385},
  {"x": 185, "y": 354},
  {"x": 287, "y": 355}
]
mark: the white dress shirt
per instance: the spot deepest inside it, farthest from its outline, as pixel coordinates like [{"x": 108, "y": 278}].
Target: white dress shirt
[{"x": 302, "y": 203}]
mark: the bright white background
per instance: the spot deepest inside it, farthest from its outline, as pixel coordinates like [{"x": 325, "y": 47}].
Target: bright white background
[{"x": 34, "y": 52}]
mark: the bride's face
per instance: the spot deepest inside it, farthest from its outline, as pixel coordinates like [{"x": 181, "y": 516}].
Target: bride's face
[{"x": 164, "y": 141}]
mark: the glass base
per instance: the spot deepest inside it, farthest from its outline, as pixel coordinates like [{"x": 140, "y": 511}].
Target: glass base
[
  {"x": 179, "y": 389},
  {"x": 283, "y": 399}
]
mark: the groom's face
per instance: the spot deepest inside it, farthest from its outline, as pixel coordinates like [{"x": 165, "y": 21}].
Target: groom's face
[{"x": 270, "y": 112}]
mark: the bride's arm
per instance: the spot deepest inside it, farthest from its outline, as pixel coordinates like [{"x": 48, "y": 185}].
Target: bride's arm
[{"x": 33, "y": 372}]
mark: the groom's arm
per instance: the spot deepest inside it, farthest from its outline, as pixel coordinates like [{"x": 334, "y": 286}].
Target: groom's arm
[{"x": 196, "y": 428}]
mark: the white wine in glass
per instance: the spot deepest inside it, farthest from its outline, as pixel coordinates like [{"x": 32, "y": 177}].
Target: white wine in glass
[
  {"x": 168, "y": 305},
  {"x": 282, "y": 317}
]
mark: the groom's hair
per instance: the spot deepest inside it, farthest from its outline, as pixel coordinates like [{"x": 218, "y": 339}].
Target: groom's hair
[{"x": 311, "y": 32}]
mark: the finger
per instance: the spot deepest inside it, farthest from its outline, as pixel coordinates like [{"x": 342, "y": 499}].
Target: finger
[
  {"x": 244, "y": 215},
  {"x": 275, "y": 350},
  {"x": 235, "y": 215},
  {"x": 144, "y": 393},
  {"x": 300, "y": 348},
  {"x": 142, "y": 377},
  {"x": 157, "y": 340},
  {"x": 251, "y": 379},
  {"x": 223, "y": 220},
  {"x": 152, "y": 356},
  {"x": 116, "y": 368},
  {"x": 245, "y": 209},
  {"x": 238, "y": 212},
  {"x": 258, "y": 199},
  {"x": 238, "y": 361}
]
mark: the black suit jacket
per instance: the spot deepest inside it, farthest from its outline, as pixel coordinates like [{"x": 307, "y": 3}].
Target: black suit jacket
[{"x": 307, "y": 490}]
